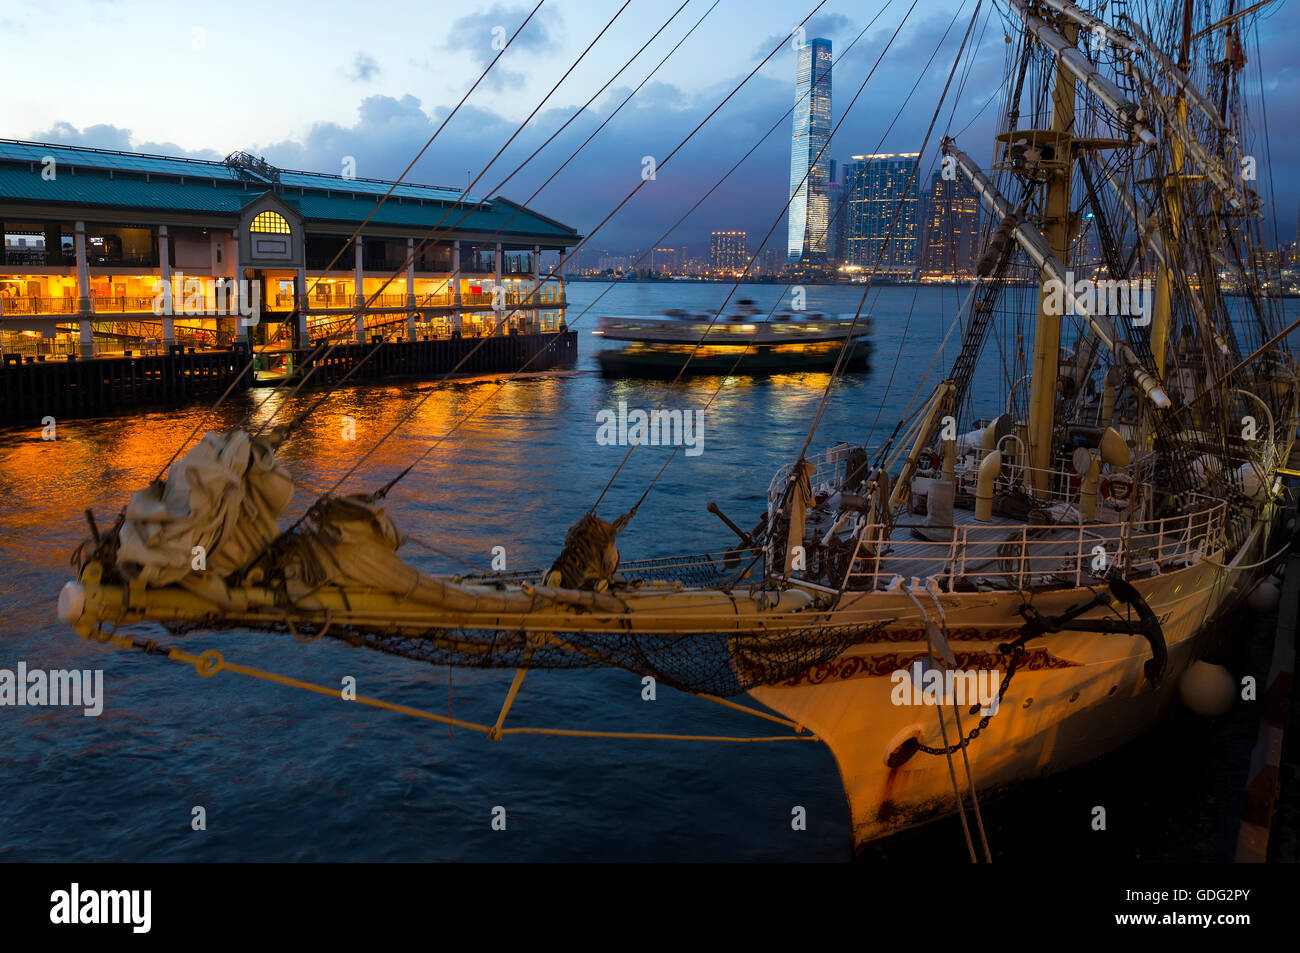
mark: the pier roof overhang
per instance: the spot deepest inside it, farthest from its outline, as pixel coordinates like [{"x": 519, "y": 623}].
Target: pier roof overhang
[{"x": 101, "y": 185}]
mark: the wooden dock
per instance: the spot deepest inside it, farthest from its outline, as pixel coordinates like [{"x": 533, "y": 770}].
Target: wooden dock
[{"x": 34, "y": 388}]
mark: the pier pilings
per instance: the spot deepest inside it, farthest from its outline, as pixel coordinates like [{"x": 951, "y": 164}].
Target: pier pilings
[{"x": 32, "y": 389}]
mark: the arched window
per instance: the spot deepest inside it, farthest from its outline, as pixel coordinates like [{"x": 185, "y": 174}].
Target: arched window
[{"x": 270, "y": 222}]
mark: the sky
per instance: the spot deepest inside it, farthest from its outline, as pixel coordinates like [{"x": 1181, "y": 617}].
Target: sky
[{"x": 310, "y": 85}]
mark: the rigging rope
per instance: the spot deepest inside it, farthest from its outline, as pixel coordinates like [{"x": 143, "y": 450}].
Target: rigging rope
[
  {"x": 654, "y": 244},
  {"x": 441, "y": 126},
  {"x": 410, "y": 255},
  {"x": 549, "y": 139},
  {"x": 736, "y": 284},
  {"x": 358, "y": 229},
  {"x": 898, "y": 209},
  {"x": 388, "y": 486}
]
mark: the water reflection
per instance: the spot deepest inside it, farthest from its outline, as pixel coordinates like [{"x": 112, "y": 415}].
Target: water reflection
[{"x": 297, "y": 777}]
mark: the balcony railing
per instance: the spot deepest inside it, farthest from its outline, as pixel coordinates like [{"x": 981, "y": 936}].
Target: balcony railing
[
  {"x": 14, "y": 305},
  {"x": 35, "y": 257},
  {"x": 11, "y": 305},
  {"x": 550, "y": 298}
]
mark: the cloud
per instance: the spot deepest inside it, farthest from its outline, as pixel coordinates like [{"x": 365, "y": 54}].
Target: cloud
[
  {"x": 823, "y": 25},
  {"x": 482, "y": 35},
  {"x": 100, "y": 136},
  {"x": 386, "y": 131},
  {"x": 364, "y": 68},
  {"x": 117, "y": 138}
]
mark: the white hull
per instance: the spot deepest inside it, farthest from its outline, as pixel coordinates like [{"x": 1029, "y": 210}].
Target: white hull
[{"x": 1076, "y": 696}]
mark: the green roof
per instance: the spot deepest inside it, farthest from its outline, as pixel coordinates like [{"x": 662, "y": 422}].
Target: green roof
[
  {"x": 82, "y": 158},
  {"x": 126, "y": 191},
  {"x": 505, "y": 217},
  {"x": 161, "y": 183}
]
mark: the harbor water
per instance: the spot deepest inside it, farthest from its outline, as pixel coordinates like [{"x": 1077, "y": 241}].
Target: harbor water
[{"x": 289, "y": 775}]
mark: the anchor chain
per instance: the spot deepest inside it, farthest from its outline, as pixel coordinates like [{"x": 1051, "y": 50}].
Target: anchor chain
[{"x": 1017, "y": 653}]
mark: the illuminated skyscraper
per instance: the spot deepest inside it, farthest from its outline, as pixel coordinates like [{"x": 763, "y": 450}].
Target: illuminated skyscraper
[
  {"x": 951, "y": 231},
  {"x": 728, "y": 251},
  {"x": 812, "y": 130},
  {"x": 876, "y": 185}
]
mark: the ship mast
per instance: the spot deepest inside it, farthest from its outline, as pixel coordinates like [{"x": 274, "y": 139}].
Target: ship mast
[
  {"x": 1056, "y": 229},
  {"x": 1162, "y": 308}
]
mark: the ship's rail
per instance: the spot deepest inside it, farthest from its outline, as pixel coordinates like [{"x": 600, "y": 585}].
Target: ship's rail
[
  {"x": 1023, "y": 556},
  {"x": 830, "y": 467},
  {"x": 1061, "y": 484}
]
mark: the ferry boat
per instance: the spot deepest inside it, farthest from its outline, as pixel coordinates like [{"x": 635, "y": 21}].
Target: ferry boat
[{"x": 746, "y": 342}]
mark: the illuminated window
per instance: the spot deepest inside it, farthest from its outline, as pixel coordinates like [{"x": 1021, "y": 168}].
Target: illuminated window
[{"x": 270, "y": 222}]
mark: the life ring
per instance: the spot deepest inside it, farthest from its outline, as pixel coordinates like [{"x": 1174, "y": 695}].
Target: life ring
[
  {"x": 1117, "y": 489},
  {"x": 927, "y": 460}
]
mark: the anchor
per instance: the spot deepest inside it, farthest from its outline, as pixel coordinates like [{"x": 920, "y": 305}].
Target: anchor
[{"x": 1121, "y": 591}]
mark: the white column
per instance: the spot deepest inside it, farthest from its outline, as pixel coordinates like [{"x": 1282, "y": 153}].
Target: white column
[
  {"x": 537, "y": 287},
  {"x": 455, "y": 282},
  {"x": 410, "y": 289},
  {"x": 497, "y": 318},
  {"x": 244, "y": 330},
  {"x": 165, "y": 273},
  {"x": 564, "y": 268},
  {"x": 83, "y": 292},
  {"x": 300, "y": 299},
  {"x": 359, "y": 291}
]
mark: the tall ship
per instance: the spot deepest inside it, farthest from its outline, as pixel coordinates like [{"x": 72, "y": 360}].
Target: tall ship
[{"x": 1062, "y": 520}]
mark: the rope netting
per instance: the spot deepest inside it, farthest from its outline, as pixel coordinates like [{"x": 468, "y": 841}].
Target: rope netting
[
  {"x": 722, "y": 664},
  {"x": 702, "y": 570}
]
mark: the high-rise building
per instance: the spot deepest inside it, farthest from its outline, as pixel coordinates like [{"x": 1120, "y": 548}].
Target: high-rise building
[
  {"x": 1085, "y": 250},
  {"x": 950, "y": 238},
  {"x": 838, "y": 193},
  {"x": 665, "y": 261},
  {"x": 877, "y": 184},
  {"x": 809, "y": 162},
  {"x": 771, "y": 261},
  {"x": 727, "y": 251}
]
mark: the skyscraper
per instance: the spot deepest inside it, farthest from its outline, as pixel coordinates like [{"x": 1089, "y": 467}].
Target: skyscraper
[
  {"x": 665, "y": 261},
  {"x": 838, "y": 193},
  {"x": 810, "y": 175},
  {"x": 876, "y": 185},
  {"x": 951, "y": 232},
  {"x": 728, "y": 251}
]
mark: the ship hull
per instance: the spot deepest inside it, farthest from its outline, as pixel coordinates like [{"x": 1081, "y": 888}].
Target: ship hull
[
  {"x": 667, "y": 365},
  {"x": 1076, "y": 696}
]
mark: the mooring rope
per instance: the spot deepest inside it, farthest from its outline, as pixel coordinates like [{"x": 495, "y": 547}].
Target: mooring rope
[{"x": 943, "y": 732}]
